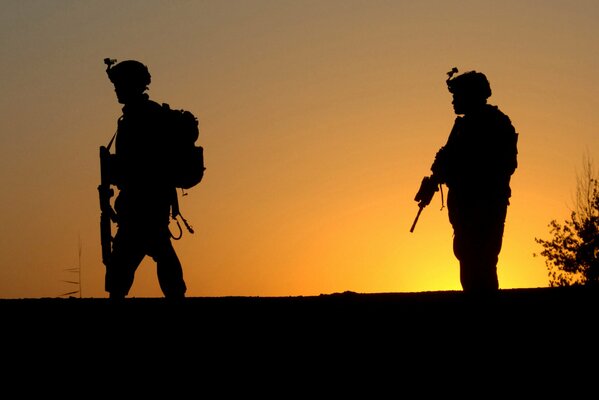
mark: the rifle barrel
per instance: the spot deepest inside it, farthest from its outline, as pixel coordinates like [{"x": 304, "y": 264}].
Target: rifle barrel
[{"x": 416, "y": 219}]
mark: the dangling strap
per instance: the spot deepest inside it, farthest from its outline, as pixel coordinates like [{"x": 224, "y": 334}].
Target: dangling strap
[
  {"x": 442, "y": 200},
  {"x": 180, "y": 232},
  {"x": 189, "y": 227},
  {"x": 175, "y": 212}
]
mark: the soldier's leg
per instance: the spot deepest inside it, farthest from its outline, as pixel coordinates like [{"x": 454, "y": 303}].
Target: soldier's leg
[
  {"x": 479, "y": 276},
  {"x": 477, "y": 245},
  {"x": 489, "y": 249},
  {"x": 464, "y": 253},
  {"x": 463, "y": 220},
  {"x": 126, "y": 256},
  {"x": 478, "y": 265},
  {"x": 169, "y": 270},
  {"x": 460, "y": 250}
]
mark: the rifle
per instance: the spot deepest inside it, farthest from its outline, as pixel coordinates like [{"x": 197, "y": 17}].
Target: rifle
[
  {"x": 425, "y": 194},
  {"x": 430, "y": 184},
  {"x": 107, "y": 214}
]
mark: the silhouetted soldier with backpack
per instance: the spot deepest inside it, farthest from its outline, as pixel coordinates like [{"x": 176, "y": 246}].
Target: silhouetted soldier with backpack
[
  {"x": 141, "y": 169},
  {"x": 476, "y": 165}
]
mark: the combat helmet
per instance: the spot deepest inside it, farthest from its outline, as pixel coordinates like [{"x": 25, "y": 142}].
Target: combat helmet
[
  {"x": 129, "y": 72},
  {"x": 471, "y": 84}
]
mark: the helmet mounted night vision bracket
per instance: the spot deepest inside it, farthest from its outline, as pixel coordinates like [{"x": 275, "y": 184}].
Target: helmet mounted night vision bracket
[
  {"x": 109, "y": 63},
  {"x": 451, "y": 73}
]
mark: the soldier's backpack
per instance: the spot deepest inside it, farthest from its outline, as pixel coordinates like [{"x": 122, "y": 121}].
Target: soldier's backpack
[{"x": 187, "y": 158}]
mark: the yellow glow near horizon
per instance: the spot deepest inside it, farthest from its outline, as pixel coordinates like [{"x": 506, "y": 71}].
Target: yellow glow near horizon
[{"x": 318, "y": 119}]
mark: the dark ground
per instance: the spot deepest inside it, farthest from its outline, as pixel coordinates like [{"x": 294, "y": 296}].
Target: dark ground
[
  {"x": 384, "y": 316},
  {"x": 410, "y": 313},
  {"x": 516, "y": 336}
]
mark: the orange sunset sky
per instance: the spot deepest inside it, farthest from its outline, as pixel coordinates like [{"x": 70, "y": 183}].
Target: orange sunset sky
[{"x": 318, "y": 119}]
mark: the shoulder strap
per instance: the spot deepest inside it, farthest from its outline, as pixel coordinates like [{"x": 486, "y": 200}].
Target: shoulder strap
[
  {"x": 113, "y": 136},
  {"x": 111, "y": 140}
]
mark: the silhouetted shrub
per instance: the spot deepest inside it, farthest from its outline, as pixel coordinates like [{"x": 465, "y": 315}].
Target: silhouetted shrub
[{"x": 572, "y": 254}]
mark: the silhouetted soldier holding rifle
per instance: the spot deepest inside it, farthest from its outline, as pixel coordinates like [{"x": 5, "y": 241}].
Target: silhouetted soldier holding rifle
[
  {"x": 476, "y": 165},
  {"x": 140, "y": 169}
]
